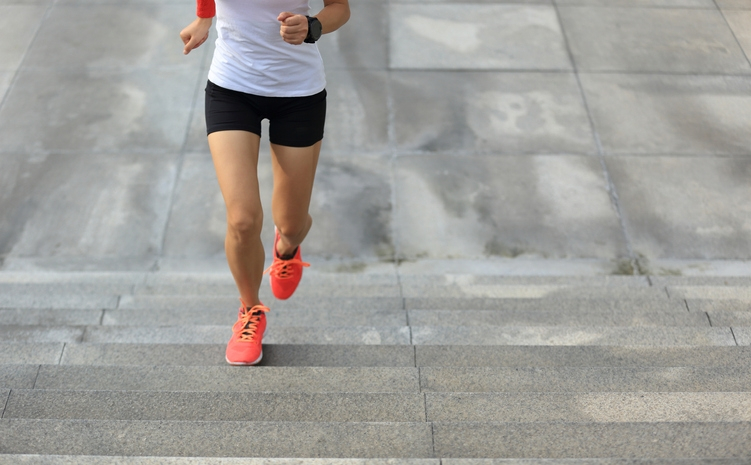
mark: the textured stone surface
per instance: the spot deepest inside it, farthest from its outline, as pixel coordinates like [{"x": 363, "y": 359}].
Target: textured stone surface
[
  {"x": 29, "y": 459},
  {"x": 652, "y": 40},
  {"x": 37, "y": 334},
  {"x": 204, "y": 355},
  {"x": 19, "y": 23},
  {"x": 440, "y": 210},
  {"x": 584, "y": 379},
  {"x": 525, "y": 317},
  {"x": 57, "y": 301},
  {"x": 624, "y": 306},
  {"x": 657, "y": 440},
  {"x": 215, "y": 406},
  {"x": 695, "y": 209},
  {"x": 221, "y": 334},
  {"x": 226, "y": 378},
  {"x": 583, "y": 407},
  {"x": 489, "y": 112},
  {"x": 479, "y": 36},
  {"x": 721, "y": 305},
  {"x": 571, "y": 335},
  {"x": 670, "y": 114},
  {"x": 582, "y": 356},
  {"x": 18, "y": 376},
  {"x": 742, "y": 335},
  {"x": 492, "y": 294},
  {"x": 47, "y": 317},
  {"x": 716, "y": 293},
  {"x": 262, "y": 439},
  {"x": 30, "y": 353}
]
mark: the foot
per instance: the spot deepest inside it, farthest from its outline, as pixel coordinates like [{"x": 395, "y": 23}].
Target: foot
[
  {"x": 244, "y": 348},
  {"x": 285, "y": 275}
]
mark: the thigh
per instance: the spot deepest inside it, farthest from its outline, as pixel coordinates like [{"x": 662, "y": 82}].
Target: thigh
[
  {"x": 235, "y": 155},
  {"x": 294, "y": 172}
]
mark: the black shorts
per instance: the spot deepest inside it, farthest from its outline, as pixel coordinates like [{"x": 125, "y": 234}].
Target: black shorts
[{"x": 293, "y": 121}]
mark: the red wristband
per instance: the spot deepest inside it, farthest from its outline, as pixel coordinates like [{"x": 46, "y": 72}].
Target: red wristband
[{"x": 205, "y": 9}]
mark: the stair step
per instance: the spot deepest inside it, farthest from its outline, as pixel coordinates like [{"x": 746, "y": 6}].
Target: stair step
[
  {"x": 64, "y": 301},
  {"x": 29, "y": 459},
  {"x": 558, "y": 439},
  {"x": 18, "y": 376},
  {"x": 31, "y": 353},
  {"x": 619, "y": 407},
  {"x": 219, "y": 439},
  {"x": 50, "y": 317},
  {"x": 230, "y": 303},
  {"x": 215, "y": 406},
  {"x": 213, "y": 354},
  {"x": 571, "y": 335},
  {"x": 552, "y": 291},
  {"x": 557, "y": 318},
  {"x": 223, "y": 378},
  {"x": 710, "y": 292},
  {"x": 277, "y": 317},
  {"x": 598, "y": 303},
  {"x": 584, "y": 379},
  {"x": 582, "y": 356}
]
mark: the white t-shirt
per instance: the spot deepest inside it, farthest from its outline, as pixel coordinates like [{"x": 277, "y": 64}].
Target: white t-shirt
[{"x": 252, "y": 57}]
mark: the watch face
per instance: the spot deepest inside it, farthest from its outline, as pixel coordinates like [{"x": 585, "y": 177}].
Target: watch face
[{"x": 315, "y": 29}]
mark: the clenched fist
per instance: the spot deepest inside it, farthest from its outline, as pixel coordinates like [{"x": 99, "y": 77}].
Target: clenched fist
[{"x": 294, "y": 28}]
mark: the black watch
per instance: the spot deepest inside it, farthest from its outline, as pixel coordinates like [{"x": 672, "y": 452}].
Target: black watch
[{"x": 314, "y": 30}]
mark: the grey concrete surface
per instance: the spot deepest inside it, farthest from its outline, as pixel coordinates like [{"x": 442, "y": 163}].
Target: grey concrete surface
[
  {"x": 18, "y": 376},
  {"x": 31, "y": 459},
  {"x": 662, "y": 305},
  {"x": 226, "y": 378},
  {"x": 581, "y": 356},
  {"x": 208, "y": 355},
  {"x": 261, "y": 439},
  {"x": 584, "y": 379},
  {"x": 462, "y": 131},
  {"x": 659, "y": 440},
  {"x": 32, "y": 353},
  {"x": 216, "y": 406},
  {"x": 579, "y": 407}
]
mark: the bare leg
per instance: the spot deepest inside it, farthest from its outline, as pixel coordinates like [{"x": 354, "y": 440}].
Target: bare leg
[
  {"x": 294, "y": 172},
  {"x": 235, "y": 155}
]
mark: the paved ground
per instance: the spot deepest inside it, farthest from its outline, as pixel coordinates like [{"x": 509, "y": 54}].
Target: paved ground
[{"x": 609, "y": 131}]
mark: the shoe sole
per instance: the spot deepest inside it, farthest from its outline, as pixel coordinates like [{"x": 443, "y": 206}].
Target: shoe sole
[{"x": 244, "y": 363}]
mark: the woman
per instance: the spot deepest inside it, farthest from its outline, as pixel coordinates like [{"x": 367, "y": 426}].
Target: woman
[{"x": 266, "y": 66}]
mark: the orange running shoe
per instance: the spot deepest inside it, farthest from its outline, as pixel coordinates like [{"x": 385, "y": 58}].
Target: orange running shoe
[
  {"x": 285, "y": 275},
  {"x": 244, "y": 348}
]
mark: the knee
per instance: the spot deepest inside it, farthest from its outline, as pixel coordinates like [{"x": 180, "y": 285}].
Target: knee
[
  {"x": 243, "y": 226},
  {"x": 293, "y": 229}
]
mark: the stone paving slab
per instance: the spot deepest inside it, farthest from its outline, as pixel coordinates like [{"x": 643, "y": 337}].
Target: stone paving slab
[
  {"x": 54, "y": 288},
  {"x": 582, "y": 407},
  {"x": 655, "y": 440},
  {"x": 213, "y": 355},
  {"x": 697, "y": 214},
  {"x": 723, "y": 305},
  {"x": 230, "y": 303},
  {"x": 347, "y": 335},
  {"x": 41, "y": 334},
  {"x": 227, "y": 378},
  {"x": 669, "y": 281},
  {"x": 581, "y": 356},
  {"x": 490, "y": 112},
  {"x": 58, "y": 301},
  {"x": 572, "y": 335},
  {"x": 482, "y": 36},
  {"x": 47, "y": 317},
  {"x": 18, "y": 376},
  {"x": 263, "y": 439},
  {"x": 709, "y": 4},
  {"x": 115, "y": 282},
  {"x": 19, "y": 24},
  {"x": 656, "y": 303},
  {"x": 730, "y": 318},
  {"x": 4, "y": 394},
  {"x": 59, "y": 42},
  {"x": 742, "y": 335},
  {"x": 670, "y": 114},
  {"x": 420, "y": 291},
  {"x": 31, "y": 353},
  {"x": 492, "y": 272},
  {"x": 552, "y": 318},
  {"x": 215, "y": 406},
  {"x": 731, "y": 4},
  {"x": 584, "y": 379},
  {"x": 599, "y": 461},
  {"x": 28, "y": 459},
  {"x": 710, "y": 292},
  {"x": 277, "y": 317},
  {"x": 669, "y": 40}
]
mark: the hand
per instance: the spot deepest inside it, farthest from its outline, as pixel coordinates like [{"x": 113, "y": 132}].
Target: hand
[
  {"x": 294, "y": 28},
  {"x": 195, "y": 34}
]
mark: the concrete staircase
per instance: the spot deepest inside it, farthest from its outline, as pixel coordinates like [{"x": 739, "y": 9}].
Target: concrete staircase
[{"x": 376, "y": 366}]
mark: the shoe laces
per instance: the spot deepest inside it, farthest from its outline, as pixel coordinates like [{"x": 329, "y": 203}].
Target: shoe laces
[
  {"x": 284, "y": 269},
  {"x": 248, "y": 321}
]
